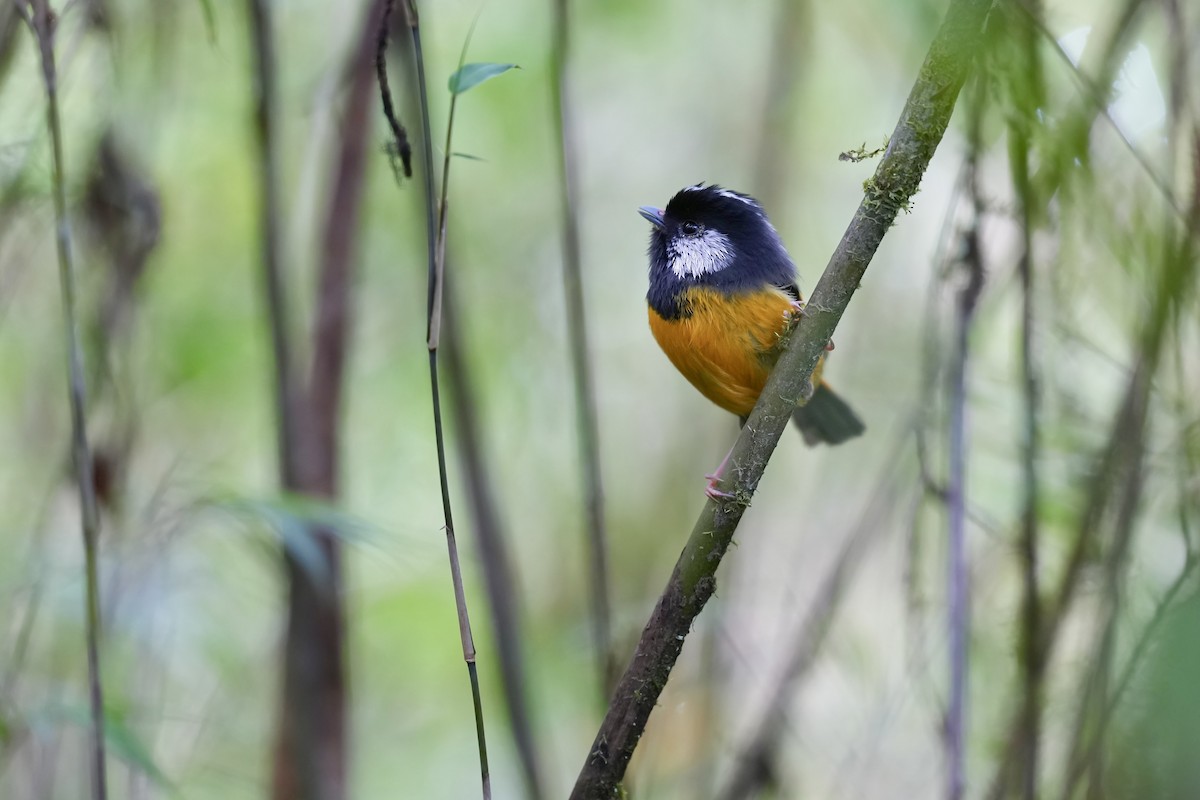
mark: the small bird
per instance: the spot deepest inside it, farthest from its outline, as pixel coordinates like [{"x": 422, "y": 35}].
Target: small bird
[{"x": 722, "y": 291}]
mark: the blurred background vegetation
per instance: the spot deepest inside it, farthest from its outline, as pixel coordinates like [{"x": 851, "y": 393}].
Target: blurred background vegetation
[{"x": 761, "y": 96}]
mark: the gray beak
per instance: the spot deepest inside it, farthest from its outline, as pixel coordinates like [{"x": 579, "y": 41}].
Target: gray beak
[{"x": 653, "y": 215}]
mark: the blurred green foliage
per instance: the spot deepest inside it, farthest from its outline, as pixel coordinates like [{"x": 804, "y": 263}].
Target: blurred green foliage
[{"x": 668, "y": 94}]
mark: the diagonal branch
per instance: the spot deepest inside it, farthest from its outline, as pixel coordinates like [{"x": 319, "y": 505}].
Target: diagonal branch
[{"x": 692, "y": 583}]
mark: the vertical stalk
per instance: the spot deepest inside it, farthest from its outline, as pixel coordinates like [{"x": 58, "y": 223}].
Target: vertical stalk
[
  {"x": 585, "y": 394},
  {"x": 791, "y": 51},
  {"x": 272, "y": 272},
  {"x": 43, "y": 24},
  {"x": 435, "y": 248},
  {"x": 1027, "y": 96},
  {"x": 958, "y": 595}
]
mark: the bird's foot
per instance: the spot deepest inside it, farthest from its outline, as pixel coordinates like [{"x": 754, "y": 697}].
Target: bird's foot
[
  {"x": 798, "y": 311},
  {"x": 712, "y": 492}
]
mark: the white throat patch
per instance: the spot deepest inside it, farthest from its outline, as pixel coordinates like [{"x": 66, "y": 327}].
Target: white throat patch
[{"x": 694, "y": 256}]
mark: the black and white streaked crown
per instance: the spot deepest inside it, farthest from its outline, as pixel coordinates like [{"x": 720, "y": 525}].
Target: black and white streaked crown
[{"x": 716, "y": 237}]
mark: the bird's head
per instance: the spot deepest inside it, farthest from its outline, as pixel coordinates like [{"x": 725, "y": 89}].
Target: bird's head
[{"x": 710, "y": 236}]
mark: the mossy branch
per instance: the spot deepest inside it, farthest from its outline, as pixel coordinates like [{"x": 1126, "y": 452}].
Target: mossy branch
[{"x": 917, "y": 134}]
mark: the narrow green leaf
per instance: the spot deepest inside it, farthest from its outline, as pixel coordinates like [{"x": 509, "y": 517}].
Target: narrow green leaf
[
  {"x": 469, "y": 76},
  {"x": 294, "y": 519},
  {"x": 468, "y": 156},
  {"x": 121, "y": 740},
  {"x": 126, "y": 746}
]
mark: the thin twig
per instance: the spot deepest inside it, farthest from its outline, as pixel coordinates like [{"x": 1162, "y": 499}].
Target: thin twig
[
  {"x": 790, "y": 53},
  {"x": 1138, "y": 654},
  {"x": 692, "y": 583},
  {"x": 435, "y": 221},
  {"x": 1176, "y": 282},
  {"x": 286, "y": 395},
  {"x": 932, "y": 394},
  {"x": 437, "y": 275},
  {"x": 585, "y": 393},
  {"x": 493, "y": 548},
  {"x": 958, "y": 577},
  {"x": 1097, "y": 703},
  {"x": 11, "y": 16},
  {"x": 43, "y": 24},
  {"x": 755, "y": 764},
  {"x": 1097, "y": 92},
  {"x": 1091, "y": 727},
  {"x": 1027, "y": 96},
  {"x": 400, "y": 147},
  {"x": 1076, "y": 123},
  {"x": 497, "y": 571}
]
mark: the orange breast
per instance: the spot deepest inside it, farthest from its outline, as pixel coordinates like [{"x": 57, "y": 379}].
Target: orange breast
[{"x": 726, "y": 348}]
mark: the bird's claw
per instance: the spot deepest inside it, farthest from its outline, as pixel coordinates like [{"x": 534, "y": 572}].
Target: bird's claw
[
  {"x": 713, "y": 493},
  {"x": 798, "y": 311}
]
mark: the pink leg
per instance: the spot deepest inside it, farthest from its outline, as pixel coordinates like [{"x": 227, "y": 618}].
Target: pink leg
[{"x": 711, "y": 489}]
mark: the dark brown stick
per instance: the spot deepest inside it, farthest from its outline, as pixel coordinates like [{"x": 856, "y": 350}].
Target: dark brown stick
[
  {"x": 311, "y": 760},
  {"x": 400, "y": 148},
  {"x": 331, "y": 328}
]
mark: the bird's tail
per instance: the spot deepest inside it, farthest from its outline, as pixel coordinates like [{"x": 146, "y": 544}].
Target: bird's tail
[{"x": 827, "y": 418}]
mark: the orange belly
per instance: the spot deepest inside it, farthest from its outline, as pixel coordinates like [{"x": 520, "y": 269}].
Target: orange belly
[{"x": 728, "y": 344}]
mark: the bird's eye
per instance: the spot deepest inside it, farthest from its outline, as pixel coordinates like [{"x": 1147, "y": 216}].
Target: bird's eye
[{"x": 690, "y": 228}]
